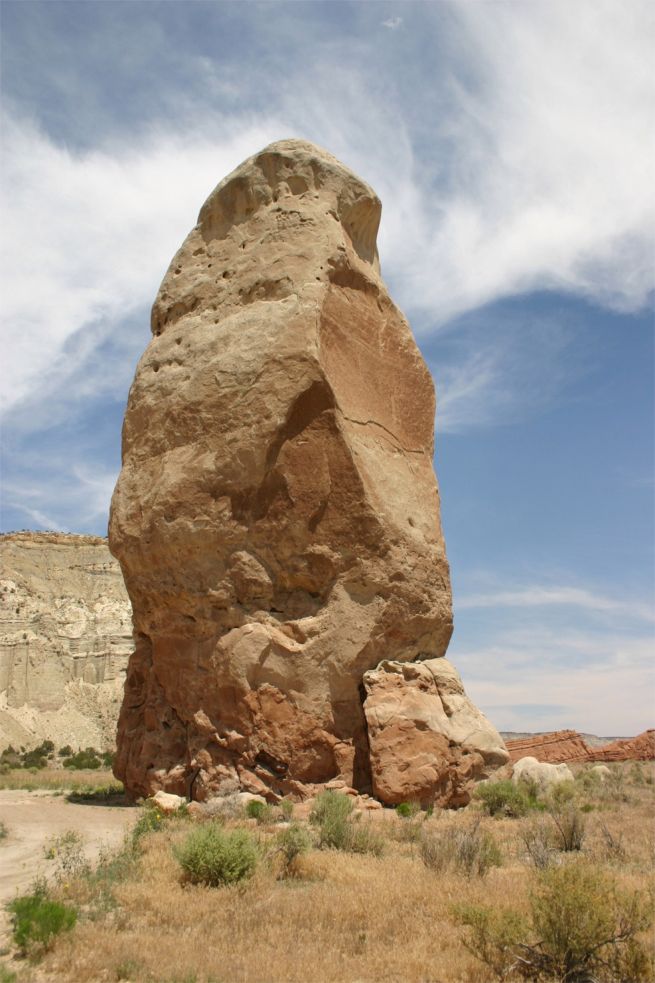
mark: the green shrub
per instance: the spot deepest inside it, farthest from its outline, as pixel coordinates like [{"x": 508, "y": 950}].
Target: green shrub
[
  {"x": 4, "y": 832},
  {"x": 260, "y": 811},
  {"x": 83, "y": 759},
  {"x": 212, "y": 856},
  {"x": 581, "y": 927},
  {"x": 37, "y": 920},
  {"x": 331, "y": 815},
  {"x": 467, "y": 849},
  {"x": 66, "y": 751},
  {"x": 407, "y": 810},
  {"x": 503, "y": 798},
  {"x": 6, "y": 975},
  {"x": 291, "y": 843}
]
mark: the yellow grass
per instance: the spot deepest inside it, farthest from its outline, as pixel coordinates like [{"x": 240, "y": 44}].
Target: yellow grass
[
  {"x": 346, "y": 919},
  {"x": 56, "y": 778}
]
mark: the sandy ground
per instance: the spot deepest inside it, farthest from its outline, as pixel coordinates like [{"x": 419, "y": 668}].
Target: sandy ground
[{"x": 32, "y": 819}]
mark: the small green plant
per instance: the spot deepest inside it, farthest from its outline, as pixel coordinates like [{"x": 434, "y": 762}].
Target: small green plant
[
  {"x": 210, "y": 855},
  {"x": 260, "y": 811},
  {"x": 66, "y": 751},
  {"x": 503, "y": 798},
  {"x": 6, "y": 975},
  {"x": 291, "y": 844},
  {"x": 4, "y": 832},
  {"x": 407, "y": 810},
  {"x": 37, "y": 920}
]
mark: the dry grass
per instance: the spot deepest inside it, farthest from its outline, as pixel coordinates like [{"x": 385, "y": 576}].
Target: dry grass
[
  {"x": 53, "y": 779},
  {"x": 345, "y": 919}
]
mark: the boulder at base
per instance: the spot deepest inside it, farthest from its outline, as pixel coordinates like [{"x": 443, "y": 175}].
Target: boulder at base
[
  {"x": 428, "y": 742},
  {"x": 544, "y": 774},
  {"x": 277, "y": 513}
]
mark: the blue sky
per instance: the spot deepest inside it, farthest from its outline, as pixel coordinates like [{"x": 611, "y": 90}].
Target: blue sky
[{"x": 512, "y": 147}]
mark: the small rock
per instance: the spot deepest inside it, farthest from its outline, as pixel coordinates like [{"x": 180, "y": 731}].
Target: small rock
[{"x": 168, "y": 803}]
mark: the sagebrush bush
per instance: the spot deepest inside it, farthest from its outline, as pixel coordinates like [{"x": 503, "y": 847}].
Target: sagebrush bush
[
  {"x": 37, "y": 920},
  {"x": 210, "y": 855},
  {"x": 582, "y": 926},
  {"x": 504, "y": 798},
  {"x": 569, "y": 828},
  {"x": 467, "y": 849},
  {"x": 330, "y": 815},
  {"x": 291, "y": 844}
]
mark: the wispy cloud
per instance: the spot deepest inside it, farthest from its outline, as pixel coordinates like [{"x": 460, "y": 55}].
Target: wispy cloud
[
  {"x": 538, "y": 596},
  {"x": 393, "y": 23},
  {"x": 533, "y": 171}
]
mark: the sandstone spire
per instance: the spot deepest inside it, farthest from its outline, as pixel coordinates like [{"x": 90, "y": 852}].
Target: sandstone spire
[{"x": 277, "y": 514}]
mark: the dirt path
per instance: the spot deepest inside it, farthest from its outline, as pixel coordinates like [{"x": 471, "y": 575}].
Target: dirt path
[{"x": 33, "y": 818}]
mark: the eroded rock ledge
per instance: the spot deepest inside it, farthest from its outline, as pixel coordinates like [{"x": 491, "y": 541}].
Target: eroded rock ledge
[{"x": 277, "y": 513}]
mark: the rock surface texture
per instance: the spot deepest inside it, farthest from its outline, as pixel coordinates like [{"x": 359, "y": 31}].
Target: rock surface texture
[
  {"x": 277, "y": 513},
  {"x": 65, "y": 638}
]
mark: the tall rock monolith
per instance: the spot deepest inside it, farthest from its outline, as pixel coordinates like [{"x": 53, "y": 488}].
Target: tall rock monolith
[{"x": 277, "y": 513}]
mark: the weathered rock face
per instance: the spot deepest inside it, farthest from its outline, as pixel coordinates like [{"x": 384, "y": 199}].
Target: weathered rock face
[
  {"x": 277, "y": 514},
  {"x": 428, "y": 742},
  {"x": 65, "y": 638},
  {"x": 557, "y": 746}
]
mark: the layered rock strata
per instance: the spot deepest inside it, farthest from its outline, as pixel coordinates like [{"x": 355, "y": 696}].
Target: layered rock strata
[
  {"x": 555, "y": 747},
  {"x": 569, "y": 746},
  {"x": 277, "y": 514},
  {"x": 65, "y": 638}
]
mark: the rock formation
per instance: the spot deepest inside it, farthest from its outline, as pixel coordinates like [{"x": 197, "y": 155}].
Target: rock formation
[
  {"x": 427, "y": 740},
  {"x": 542, "y": 773},
  {"x": 555, "y": 747},
  {"x": 570, "y": 746},
  {"x": 277, "y": 514},
  {"x": 640, "y": 748},
  {"x": 65, "y": 638}
]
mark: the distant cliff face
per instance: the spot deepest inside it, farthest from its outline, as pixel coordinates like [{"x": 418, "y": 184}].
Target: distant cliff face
[{"x": 65, "y": 637}]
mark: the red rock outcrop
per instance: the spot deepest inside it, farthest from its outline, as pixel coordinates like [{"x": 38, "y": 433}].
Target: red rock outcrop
[
  {"x": 555, "y": 748},
  {"x": 569, "y": 746},
  {"x": 640, "y": 748},
  {"x": 277, "y": 513}
]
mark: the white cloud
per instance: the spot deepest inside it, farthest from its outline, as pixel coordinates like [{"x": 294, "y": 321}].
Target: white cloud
[
  {"x": 549, "y": 149},
  {"x": 534, "y": 171},
  {"x": 598, "y": 682},
  {"x": 393, "y": 23},
  {"x": 87, "y": 238},
  {"x": 539, "y": 596}
]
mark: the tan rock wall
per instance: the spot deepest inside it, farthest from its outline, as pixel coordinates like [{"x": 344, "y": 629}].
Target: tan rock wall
[{"x": 65, "y": 637}]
